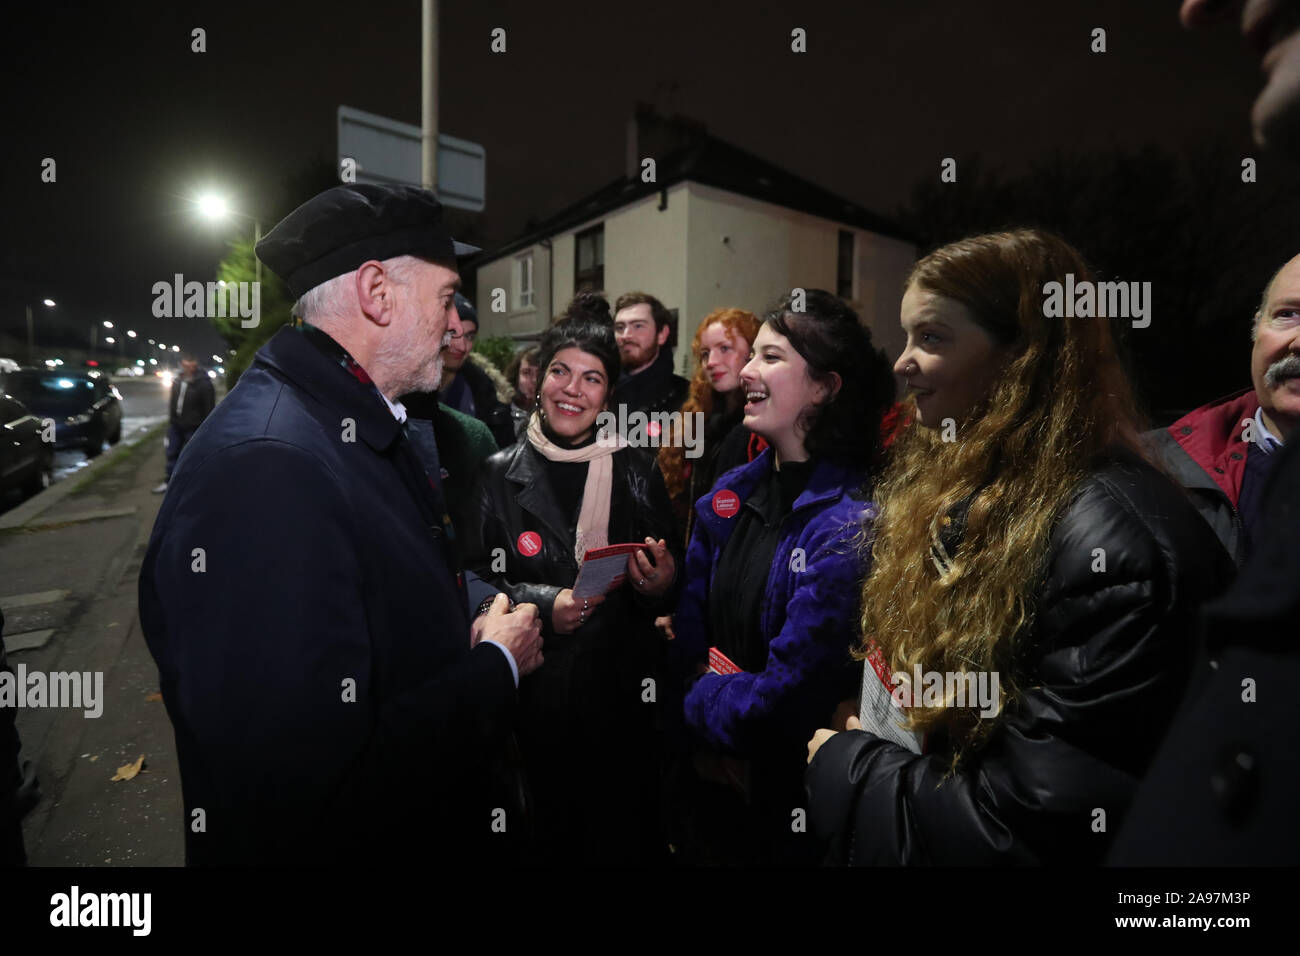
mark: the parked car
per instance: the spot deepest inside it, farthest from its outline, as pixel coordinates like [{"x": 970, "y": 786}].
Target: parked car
[
  {"x": 26, "y": 462},
  {"x": 86, "y": 407},
  {"x": 8, "y": 365}
]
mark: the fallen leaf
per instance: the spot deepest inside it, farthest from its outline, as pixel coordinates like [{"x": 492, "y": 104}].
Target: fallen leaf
[
  {"x": 152, "y": 698},
  {"x": 127, "y": 771}
]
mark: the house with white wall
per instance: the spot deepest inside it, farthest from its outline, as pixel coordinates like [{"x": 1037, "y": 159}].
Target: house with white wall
[{"x": 717, "y": 227}]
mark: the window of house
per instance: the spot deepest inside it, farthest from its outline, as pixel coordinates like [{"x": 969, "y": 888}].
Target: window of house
[
  {"x": 524, "y": 282},
  {"x": 589, "y": 260},
  {"x": 844, "y": 266}
]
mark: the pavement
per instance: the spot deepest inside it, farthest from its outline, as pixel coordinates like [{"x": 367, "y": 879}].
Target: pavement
[{"x": 69, "y": 561}]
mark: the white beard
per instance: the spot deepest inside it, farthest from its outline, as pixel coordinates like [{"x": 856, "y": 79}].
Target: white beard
[{"x": 399, "y": 350}]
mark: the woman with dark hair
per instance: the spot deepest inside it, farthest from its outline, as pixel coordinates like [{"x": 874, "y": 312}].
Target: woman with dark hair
[
  {"x": 1028, "y": 616},
  {"x": 721, "y": 347},
  {"x": 586, "y": 728},
  {"x": 770, "y": 581}
]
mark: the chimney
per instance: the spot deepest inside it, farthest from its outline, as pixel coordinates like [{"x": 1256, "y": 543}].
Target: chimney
[{"x": 651, "y": 135}]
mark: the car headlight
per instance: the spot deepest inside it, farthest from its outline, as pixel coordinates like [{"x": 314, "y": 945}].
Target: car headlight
[{"x": 79, "y": 419}]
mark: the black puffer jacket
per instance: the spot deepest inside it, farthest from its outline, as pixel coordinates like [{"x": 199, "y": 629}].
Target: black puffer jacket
[
  {"x": 588, "y": 733},
  {"x": 1103, "y": 671}
]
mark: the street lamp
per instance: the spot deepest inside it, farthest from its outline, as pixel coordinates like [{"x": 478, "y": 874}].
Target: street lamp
[
  {"x": 31, "y": 328},
  {"x": 214, "y": 207}
]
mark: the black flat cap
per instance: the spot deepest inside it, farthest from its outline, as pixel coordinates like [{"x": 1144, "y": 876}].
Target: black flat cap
[{"x": 336, "y": 231}]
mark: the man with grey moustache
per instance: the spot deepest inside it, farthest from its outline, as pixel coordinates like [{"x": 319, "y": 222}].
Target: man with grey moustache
[{"x": 1222, "y": 453}]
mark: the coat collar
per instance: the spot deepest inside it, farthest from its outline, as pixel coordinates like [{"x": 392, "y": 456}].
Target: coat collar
[
  {"x": 827, "y": 483},
  {"x": 527, "y": 469},
  {"x": 1211, "y": 436},
  {"x": 314, "y": 373}
]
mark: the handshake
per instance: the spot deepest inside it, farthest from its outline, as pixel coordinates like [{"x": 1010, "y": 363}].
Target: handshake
[{"x": 517, "y": 628}]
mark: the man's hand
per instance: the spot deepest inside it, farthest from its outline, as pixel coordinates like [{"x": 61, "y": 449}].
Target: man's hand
[
  {"x": 476, "y": 630},
  {"x": 826, "y": 734},
  {"x": 569, "y": 613},
  {"x": 652, "y": 580},
  {"x": 665, "y": 627},
  {"x": 518, "y": 631}
]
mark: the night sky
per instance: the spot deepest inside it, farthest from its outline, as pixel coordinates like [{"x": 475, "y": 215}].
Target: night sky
[{"x": 138, "y": 123}]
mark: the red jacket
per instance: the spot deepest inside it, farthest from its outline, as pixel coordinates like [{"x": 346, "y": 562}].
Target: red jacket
[
  {"x": 1212, "y": 437},
  {"x": 1205, "y": 453}
]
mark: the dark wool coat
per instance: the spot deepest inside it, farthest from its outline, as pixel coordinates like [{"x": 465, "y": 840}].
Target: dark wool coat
[
  {"x": 1104, "y": 667},
  {"x": 1221, "y": 791},
  {"x": 311, "y": 636}
]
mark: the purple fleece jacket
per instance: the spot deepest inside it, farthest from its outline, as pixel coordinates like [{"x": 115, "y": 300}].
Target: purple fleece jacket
[{"x": 809, "y": 613}]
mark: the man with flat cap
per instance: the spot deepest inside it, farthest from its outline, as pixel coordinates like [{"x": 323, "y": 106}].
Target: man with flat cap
[{"x": 334, "y": 697}]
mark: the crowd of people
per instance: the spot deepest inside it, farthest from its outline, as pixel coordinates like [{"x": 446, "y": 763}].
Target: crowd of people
[{"x": 973, "y": 624}]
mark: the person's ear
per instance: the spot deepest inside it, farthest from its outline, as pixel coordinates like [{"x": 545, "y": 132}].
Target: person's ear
[
  {"x": 375, "y": 292},
  {"x": 831, "y": 386},
  {"x": 663, "y": 335}
]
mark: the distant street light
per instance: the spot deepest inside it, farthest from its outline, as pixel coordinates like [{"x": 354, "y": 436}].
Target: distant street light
[
  {"x": 110, "y": 340},
  {"x": 108, "y": 324},
  {"x": 176, "y": 348},
  {"x": 130, "y": 333},
  {"x": 31, "y": 328}
]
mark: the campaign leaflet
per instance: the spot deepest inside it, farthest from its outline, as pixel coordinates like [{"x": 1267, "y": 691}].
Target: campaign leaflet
[
  {"x": 603, "y": 569},
  {"x": 720, "y": 663},
  {"x": 879, "y": 711}
]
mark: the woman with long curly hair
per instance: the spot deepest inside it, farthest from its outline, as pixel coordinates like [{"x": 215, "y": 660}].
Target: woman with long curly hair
[
  {"x": 721, "y": 348},
  {"x": 1028, "y": 615}
]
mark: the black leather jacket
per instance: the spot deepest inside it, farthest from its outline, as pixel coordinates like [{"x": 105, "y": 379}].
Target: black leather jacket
[
  {"x": 1104, "y": 668},
  {"x": 588, "y": 726},
  {"x": 514, "y": 497}
]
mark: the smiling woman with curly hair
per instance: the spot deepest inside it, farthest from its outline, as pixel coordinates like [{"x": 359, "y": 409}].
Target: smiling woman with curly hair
[{"x": 1024, "y": 547}]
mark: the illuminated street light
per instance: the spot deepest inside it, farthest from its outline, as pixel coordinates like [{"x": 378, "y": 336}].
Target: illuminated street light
[
  {"x": 110, "y": 340},
  {"x": 108, "y": 324},
  {"x": 212, "y": 206},
  {"x": 130, "y": 333},
  {"x": 176, "y": 348},
  {"x": 48, "y": 303}
]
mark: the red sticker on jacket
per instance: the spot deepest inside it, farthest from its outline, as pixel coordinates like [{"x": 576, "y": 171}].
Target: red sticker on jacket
[
  {"x": 726, "y": 503},
  {"x": 529, "y": 543},
  {"x": 652, "y": 429}
]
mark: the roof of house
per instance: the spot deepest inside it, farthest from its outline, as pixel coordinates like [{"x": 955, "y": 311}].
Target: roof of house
[{"x": 712, "y": 162}]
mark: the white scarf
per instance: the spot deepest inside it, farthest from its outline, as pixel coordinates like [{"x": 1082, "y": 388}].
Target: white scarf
[{"x": 593, "y": 516}]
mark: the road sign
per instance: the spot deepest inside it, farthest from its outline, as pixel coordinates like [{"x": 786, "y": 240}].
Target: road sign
[{"x": 386, "y": 151}]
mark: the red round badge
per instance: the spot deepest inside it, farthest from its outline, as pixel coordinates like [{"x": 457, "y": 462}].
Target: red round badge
[
  {"x": 652, "y": 429},
  {"x": 529, "y": 543},
  {"x": 726, "y": 504}
]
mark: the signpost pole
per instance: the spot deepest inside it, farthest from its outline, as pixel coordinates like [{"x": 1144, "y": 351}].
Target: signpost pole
[{"x": 429, "y": 93}]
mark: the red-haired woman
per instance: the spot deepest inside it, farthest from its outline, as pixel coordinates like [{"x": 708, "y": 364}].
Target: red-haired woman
[{"x": 721, "y": 346}]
